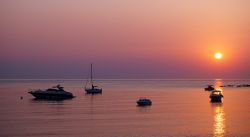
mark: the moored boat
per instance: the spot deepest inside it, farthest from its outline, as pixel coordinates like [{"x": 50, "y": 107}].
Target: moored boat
[
  {"x": 54, "y": 93},
  {"x": 209, "y": 88},
  {"x": 93, "y": 89},
  {"x": 216, "y": 96},
  {"x": 144, "y": 102}
]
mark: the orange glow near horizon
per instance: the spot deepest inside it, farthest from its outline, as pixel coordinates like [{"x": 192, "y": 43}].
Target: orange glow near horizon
[
  {"x": 156, "y": 37},
  {"x": 217, "y": 84}
]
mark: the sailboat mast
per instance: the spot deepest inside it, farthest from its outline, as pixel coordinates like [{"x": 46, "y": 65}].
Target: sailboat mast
[{"x": 91, "y": 75}]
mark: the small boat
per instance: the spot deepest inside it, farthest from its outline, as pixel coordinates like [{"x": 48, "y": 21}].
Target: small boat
[
  {"x": 56, "y": 93},
  {"x": 209, "y": 88},
  {"x": 93, "y": 89},
  {"x": 144, "y": 102},
  {"x": 216, "y": 96}
]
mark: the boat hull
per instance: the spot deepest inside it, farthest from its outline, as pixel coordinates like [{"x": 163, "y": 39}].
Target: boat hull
[
  {"x": 93, "y": 91},
  {"x": 51, "y": 96},
  {"x": 144, "y": 103},
  {"x": 215, "y": 98},
  {"x": 208, "y": 89}
]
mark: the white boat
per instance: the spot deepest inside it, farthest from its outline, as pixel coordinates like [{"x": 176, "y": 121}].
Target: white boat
[
  {"x": 56, "y": 92},
  {"x": 216, "y": 96},
  {"x": 144, "y": 102},
  {"x": 93, "y": 89}
]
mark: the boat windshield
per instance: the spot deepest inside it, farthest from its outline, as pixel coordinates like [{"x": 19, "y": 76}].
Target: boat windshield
[{"x": 216, "y": 92}]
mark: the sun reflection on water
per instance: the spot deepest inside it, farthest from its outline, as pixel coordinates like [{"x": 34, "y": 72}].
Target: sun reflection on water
[
  {"x": 218, "y": 83},
  {"x": 219, "y": 120}
]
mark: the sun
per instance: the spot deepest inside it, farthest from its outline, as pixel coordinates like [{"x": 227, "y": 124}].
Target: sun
[{"x": 218, "y": 55}]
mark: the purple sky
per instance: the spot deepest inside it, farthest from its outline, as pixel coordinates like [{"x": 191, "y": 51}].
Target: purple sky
[{"x": 124, "y": 39}]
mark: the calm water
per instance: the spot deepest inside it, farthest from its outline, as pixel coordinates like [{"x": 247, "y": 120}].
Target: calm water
[{"x": 180, "y": 108}]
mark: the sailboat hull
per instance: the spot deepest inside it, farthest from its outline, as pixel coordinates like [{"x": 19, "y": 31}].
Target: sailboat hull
[{"x": 93, "y": 91}]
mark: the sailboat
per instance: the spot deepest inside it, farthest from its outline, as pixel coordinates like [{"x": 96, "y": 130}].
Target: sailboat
[{"x": 93, "y": 89}]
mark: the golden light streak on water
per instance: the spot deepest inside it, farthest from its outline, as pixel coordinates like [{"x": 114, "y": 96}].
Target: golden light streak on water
[{"x": 219, "y": 120}]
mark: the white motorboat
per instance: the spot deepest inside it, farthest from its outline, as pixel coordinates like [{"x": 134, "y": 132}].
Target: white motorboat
[{"x": 56, "y": 92}]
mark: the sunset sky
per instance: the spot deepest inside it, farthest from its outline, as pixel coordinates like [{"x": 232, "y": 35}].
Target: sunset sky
[{"x": 125, "y": 39}]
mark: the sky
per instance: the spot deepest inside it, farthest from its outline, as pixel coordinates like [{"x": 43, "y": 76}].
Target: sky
[{"x": 170, "y": 39}]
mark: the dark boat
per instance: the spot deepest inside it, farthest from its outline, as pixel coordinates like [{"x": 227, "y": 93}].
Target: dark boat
[
  {"x": 209, "y": 88},
  {"x": 144, "y": 102},
  {"x": 54, "y": 93},
  {"x": 216, "y": 96},
  {"x": 93, "y": 89}
]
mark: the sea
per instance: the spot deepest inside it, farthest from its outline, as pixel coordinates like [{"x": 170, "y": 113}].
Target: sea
[{"x": 180, "y": 108}]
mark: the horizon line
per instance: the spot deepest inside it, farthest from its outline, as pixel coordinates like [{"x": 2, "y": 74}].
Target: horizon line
[{"x": 73, "y": 79}]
